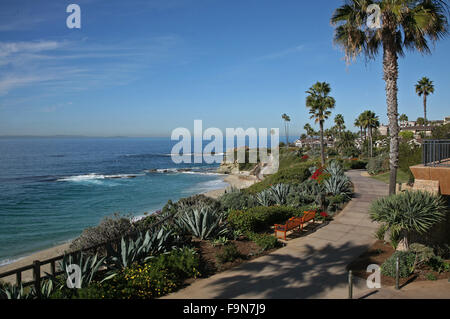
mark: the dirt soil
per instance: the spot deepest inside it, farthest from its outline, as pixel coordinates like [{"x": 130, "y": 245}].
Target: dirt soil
[
  {"x": 377, "y": 254},
  {"x": 248, "y": 250}
]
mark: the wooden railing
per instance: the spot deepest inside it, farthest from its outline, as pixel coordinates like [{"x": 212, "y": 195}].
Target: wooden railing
[{"x": 37, "y": 265}]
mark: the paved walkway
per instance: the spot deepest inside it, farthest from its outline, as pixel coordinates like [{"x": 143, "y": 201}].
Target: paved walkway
[{"x": 312, "y": 266}]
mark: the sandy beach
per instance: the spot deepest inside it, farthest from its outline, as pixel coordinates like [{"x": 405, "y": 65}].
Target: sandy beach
[{"x": 237, "y": 181}]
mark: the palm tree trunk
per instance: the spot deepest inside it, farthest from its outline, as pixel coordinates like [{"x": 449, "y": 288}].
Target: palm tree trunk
[
  {"x": 286, "y": 132},
  {"x": 390, "y": 70},
  {"x": 370, "y": 141},
  {"x": 322, "y": 148},
  {"x": 425, "y": 108}
]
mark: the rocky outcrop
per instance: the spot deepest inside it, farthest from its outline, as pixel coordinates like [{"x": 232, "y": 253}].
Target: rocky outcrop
[{"x": 228, "y": 168}]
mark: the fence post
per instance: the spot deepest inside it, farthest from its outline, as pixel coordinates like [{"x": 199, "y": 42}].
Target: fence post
[
  {"x": 37, "y": 277},
  {"x": 18, "y": 278},
  {"x": 53, "y": 268},
  {"x": 397, "y": 286},
  {"x": 350, "y": 285}
]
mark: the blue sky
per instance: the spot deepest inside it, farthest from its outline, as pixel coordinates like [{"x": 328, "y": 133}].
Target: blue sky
[{"x": 146, "y": 67}]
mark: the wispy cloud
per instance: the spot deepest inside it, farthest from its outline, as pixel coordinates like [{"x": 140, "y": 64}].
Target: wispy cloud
[
  {"x": 281, "y": 54},
  {"x": 78, "y": 65}
]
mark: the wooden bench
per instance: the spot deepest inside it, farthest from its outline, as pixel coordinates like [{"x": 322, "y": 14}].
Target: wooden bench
[{"x": 293, "y": 223}]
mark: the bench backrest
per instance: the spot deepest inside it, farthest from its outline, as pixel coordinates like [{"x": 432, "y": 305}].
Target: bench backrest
[
  {"x": 293, "y": 222},
  {"x": 308, "y": 216}
]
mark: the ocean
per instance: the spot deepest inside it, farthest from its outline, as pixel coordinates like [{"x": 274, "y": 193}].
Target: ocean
[{"x": 53, "y": 188}]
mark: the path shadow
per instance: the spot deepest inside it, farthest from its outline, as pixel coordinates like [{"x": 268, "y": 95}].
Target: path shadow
[{"x": 284, "y": 276}]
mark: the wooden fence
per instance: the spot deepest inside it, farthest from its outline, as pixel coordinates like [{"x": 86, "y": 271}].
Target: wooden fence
[{"x": 37, "y": 265}]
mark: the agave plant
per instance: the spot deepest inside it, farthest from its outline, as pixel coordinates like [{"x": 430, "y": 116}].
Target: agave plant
[
  {"x": 203, "y": 223},
  {"x": 140, "y": 249},
  {"x": 335, "y": 169},
  {"x": 89, "y": 266},
  {"x": 13, "y": 292},
  {"x": 280, "y": 193},
  {"x": 264, "y": 198},
  {"x": 337, "y": 185},
  {"x": 312, "y": 190},
  {"x": 407, "y": 212}
]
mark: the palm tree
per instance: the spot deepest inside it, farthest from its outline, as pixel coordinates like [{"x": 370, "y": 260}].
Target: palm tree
[
  {"x": 370, "y": 121},
  {"x": 319, "y": 103},
  {"x": 420, "y": 121},
  {"x": 286, "y": 119},
  {"x": 407, "y": 24},
  {"x": 340, "y": 123},
  {"x": 358, "y": 124},
  {"x": 403, "y": 118},
  {"x": 309, "y": 130},
  {"x": 424, "y": 87},
  {"x": 347, "y": 140}
]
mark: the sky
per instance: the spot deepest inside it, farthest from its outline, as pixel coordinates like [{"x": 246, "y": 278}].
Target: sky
[{"x": 146, "y": 67}]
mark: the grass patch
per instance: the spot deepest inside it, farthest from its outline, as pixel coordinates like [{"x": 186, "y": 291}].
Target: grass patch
[{"x": 402, "y": 177}]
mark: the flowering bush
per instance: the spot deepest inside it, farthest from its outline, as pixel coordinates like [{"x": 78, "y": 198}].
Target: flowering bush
[{"x": 320, "y": 175}]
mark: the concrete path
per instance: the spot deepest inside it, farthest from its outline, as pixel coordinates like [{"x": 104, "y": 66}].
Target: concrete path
[
  {"x": 312, "y": 266},
  {"x": 439, "y": 289}
]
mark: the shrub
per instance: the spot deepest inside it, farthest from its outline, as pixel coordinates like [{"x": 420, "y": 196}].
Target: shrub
[
  {"x": 430, "y": 276},
  {"x": 294, "y": 174},
  {"x": 377, "y": 165},
  {"x": 409, "y": 156},
  {"x": 407, "y": 212},
  {"x": 228, "y": 253},
  {"x": 355, "y": 164},
  {"x": 438, "y": 264},
  {"x": 406, "y": 264},
  {"x": 265, "y": 241},
  {"x": 137, "y": 282},
  {"x": 260, "y": 218},
  {"x": 198, "y": 201},
  {"x": 423, "y": 253},
  {"x": 236, "y": 200},
  {"x": 110, "y": 229},
  {"x": 158, "y": 277},
  {"x": 181, "y": 262}
]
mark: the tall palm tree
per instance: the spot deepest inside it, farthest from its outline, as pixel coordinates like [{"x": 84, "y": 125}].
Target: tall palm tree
[
  {"x": 286, "y": 119},
  {"x": 358, "y": 124},
  {"x": 340, "y": 123},
  {"x": 319, "y": 103},
  {"x": 370, "y": 121},
  {"x": 406, "y": 24},
  {"x": 424, "y": 87},
  {"x": 403, "y": 118}
]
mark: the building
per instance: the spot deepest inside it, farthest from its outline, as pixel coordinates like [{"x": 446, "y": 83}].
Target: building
[{"x": 314, "y": 142}]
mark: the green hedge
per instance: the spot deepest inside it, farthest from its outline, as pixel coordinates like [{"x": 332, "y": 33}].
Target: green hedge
[
  {"x": 260, "y": 218},
  {"x": 265, "y": 241},
  {"x": 290, "y": 175}
]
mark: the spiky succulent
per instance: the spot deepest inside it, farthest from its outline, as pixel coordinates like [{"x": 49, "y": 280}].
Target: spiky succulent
[
  {"x": 13, "y": 292},
  {"x": 280, "y": 193},
  {"x": 335, "y": 169},
  {"x": 140, "y": 249},
  {"x": 338, "y": 185},
  {"x": 203, "y": 223},
  {"x": 264, "y": 198}
]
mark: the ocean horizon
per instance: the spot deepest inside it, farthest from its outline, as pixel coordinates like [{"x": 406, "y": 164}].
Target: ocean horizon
[{"x": 51, "y": 188}]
